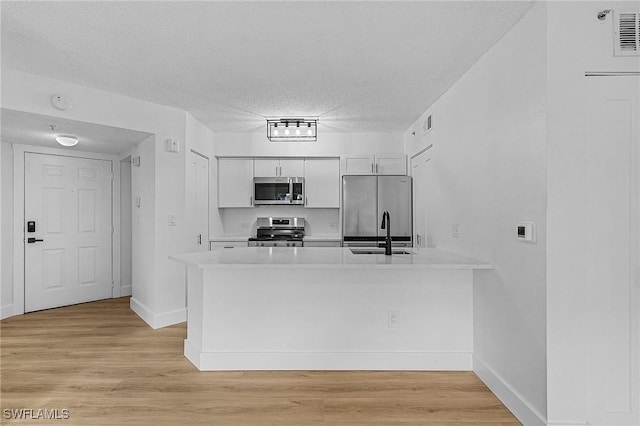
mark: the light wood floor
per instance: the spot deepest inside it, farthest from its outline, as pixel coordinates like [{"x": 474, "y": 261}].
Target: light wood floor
[{"x": 106, "y": 366}]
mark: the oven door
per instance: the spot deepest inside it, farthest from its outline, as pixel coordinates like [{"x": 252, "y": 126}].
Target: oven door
[{"x": 271, "y": 190}]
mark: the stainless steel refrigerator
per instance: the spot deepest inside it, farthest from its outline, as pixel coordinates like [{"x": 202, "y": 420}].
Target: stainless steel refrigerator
[{"x": 365, "y": 198}]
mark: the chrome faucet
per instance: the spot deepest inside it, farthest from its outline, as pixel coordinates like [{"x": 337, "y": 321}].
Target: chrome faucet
[{"x": 386, "y": 224}]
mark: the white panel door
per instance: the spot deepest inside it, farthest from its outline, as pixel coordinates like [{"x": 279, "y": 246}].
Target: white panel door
[
  {"x": 197, "y": 212},
  {"x": 612, "y": 194},
  {"x": 420, "y": 172},
  {"x": 68, "y": 259}
]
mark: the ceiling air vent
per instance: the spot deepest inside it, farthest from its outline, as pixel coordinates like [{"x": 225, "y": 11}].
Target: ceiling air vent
[{"x": 627, "y": 34}]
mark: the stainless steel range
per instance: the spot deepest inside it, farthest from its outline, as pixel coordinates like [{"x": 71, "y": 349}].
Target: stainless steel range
[{"x": 278, "y": 232}]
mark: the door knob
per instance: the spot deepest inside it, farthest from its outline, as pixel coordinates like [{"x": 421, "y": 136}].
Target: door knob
[{"x": 32, "y": 240}]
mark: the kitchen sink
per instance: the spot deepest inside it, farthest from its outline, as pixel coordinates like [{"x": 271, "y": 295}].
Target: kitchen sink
[{"x": 378, "y": 251}]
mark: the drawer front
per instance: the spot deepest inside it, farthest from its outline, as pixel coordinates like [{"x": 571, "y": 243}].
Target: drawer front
[{"x": 215, "y": 245}]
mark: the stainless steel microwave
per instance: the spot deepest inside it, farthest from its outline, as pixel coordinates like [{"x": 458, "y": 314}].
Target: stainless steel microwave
[{"x": 278, "y": 190}]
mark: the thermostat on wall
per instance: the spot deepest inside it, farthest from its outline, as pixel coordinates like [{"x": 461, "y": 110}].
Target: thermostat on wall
[{"x": 526, "y": 231}]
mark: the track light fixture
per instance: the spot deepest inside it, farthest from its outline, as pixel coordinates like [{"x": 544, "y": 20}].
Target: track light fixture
[{"x": 293, "y": 134}]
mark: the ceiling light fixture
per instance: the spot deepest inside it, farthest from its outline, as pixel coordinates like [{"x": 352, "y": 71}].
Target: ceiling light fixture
[
  {"x": 65, "y": 140},
  {"x": 296, "y": 136}
]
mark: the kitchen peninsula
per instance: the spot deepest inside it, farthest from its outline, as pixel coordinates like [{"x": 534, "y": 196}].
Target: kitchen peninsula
[{"x": 327, "y": 308}]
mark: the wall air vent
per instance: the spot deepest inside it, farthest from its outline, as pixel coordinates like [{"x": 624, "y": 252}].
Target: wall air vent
[
  {"x": 626, "y": 34},
  {"x": 426, "y": 125}
]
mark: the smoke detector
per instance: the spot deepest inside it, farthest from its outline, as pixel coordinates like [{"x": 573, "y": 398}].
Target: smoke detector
[{"x": 61, "y": 102}]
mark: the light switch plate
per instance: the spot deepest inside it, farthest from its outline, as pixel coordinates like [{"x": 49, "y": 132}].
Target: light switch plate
[{"x": 526, "y": 232}]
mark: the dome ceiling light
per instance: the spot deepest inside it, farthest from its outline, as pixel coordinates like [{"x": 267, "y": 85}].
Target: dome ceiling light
[{"x": 66, "y": 140}]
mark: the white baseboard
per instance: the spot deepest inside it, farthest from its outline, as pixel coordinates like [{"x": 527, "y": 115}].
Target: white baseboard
[
  {"x": 410, "y": 361},
  {"x": 509, "y": 396},
  {"x": 142, "y": 311},
  {"x": 6, "y": 311},
  {"x": 154, "y": 321},
  {"x": 166, "y": 319},
  {"x": 125, "y": 290},
  {"x": 192, "y": 353}
]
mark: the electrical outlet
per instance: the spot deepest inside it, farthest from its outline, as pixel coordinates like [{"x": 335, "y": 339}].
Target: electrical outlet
[
  {"x": 393, "y": 319},
  {"x": 172, "y": 220}
]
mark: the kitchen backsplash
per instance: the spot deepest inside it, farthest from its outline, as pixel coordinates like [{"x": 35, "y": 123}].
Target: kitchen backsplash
[{"x": 242, "y": 222}]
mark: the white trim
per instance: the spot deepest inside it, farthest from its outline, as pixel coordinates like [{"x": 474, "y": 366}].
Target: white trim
[
  {"x": 19, "y": 151},
  {"x": 509, "y": 396},
  {"x": 142, "y": 311},
  {"x": 6, "y": 311},
  {"x": 408, "y": 361},
  {"x": 166, "y": 319},
  {"x": 126, "y": 290},
  {"x": 156, "y": 321}
]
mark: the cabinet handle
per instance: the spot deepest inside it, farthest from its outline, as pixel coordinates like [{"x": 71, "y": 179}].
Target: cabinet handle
[
  {"x": 372, "y": 168},
  {"x": 376, "y": 168},
  {"x": 280, "y": 170},
  {"x": 276, "y": 170},
  {"x": 251, "y": 200},
  {"x": 199, "y": 239},
  {"x": 306, "y": 200}
]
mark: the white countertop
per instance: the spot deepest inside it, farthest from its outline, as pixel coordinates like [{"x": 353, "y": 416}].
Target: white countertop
[{"x": 325, "y": 258}]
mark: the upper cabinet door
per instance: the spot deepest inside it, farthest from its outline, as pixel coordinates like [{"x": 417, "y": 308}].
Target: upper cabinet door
[
  {"x": 391, "y": 165},
  {"x": 358, "y": 165},
  {"x": 293, "y": 167},
  {"x": 278, "y": 167},
  {"x": 374, "y": 164},
  {"x": 266, "y": 167},
  {"x": 235, "y": 182},
  {"x": 322, "y": 182}
]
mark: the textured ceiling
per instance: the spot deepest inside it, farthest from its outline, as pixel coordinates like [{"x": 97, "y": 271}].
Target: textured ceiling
[{"x": 359, "y": 66}]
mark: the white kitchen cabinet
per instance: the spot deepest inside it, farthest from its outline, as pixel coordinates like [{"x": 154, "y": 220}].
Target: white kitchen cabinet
[
  {"x": 322, "y": 182},
  {"x": 279, "y": 167},
  {"x": 391, "y": 165},
  {"x": 375, "y": 165},
  {"x": 235, "y": 182},
  {"x": 359, "y": 165}
]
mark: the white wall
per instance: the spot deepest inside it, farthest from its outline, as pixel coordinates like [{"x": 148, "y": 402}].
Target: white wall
[
  {"x": 488, "y": 171},
  {"x": 159, "y": 287},
  {"x": 330, "y": 144},
  {"x": 6, "y": 230},
  {"x": 577, "y": 42},
  {"x": 241, "y": 222}
]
